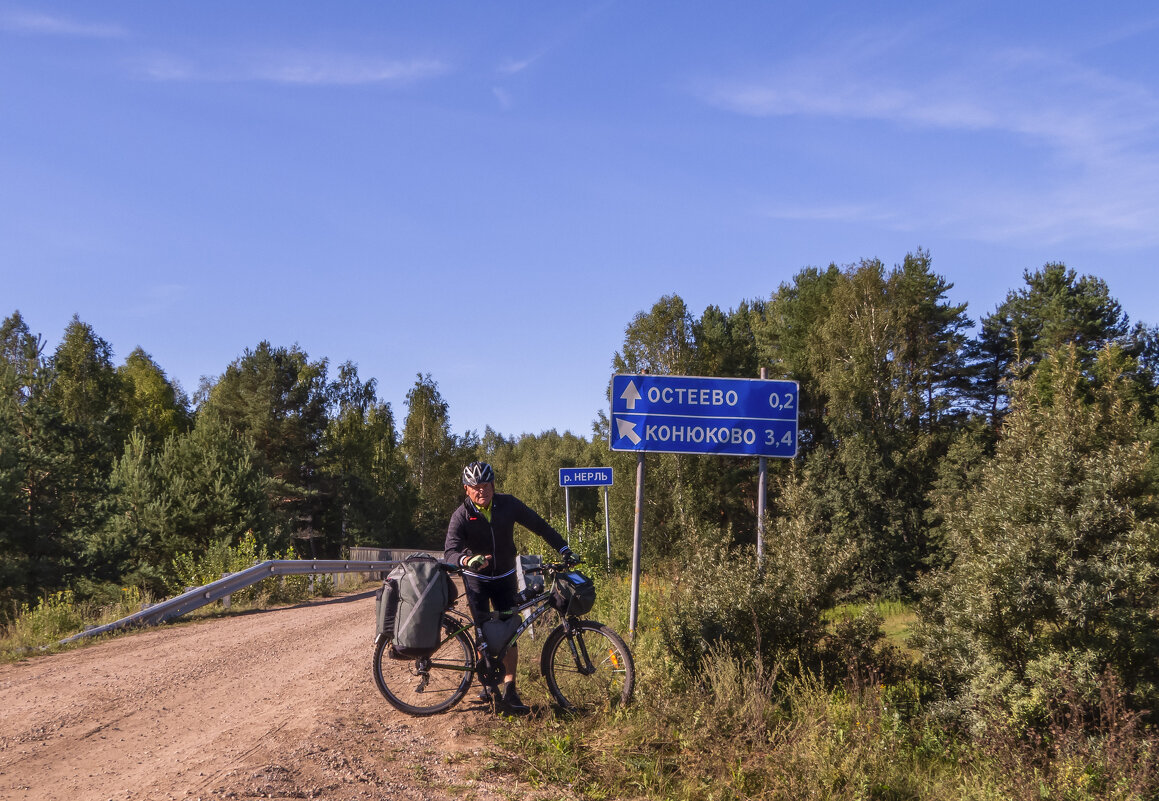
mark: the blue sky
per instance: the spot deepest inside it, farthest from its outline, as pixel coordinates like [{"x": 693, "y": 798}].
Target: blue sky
[{"x": 489, "y": 192}]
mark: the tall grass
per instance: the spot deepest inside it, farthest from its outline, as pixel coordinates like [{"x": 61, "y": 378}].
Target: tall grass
[
  {"x": 740, "y": 729},
  {"x": 59, "y": 615}
]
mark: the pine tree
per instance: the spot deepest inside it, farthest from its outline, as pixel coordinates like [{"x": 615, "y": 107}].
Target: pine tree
[
  {"x": 281, "y": 400},
  {"x": 374, "y": 501},
  {"x": 1057, "y": 307}
]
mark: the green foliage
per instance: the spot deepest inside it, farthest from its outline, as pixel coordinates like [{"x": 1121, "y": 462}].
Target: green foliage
[
  {"x": 222, "y": 559},
  {"x": 54, "y": 617},
  {"x": 280, "y": 399},
  {"x": 1055, "y": 554},
  {"x": 60, "y": 614},
  {"x": 434, "y": 458},
  {"x": 1056, "y": 308},
  {"x": 155, "y": 406},
  {"x": 374, "y": 502},
  {"x": 767, "y": 611},
  {"x": 659, "y": 341},
  {"x": 784, "y": 338},
  {"x": 201, "y": 488},
  {"x": 50, "y": 467},
  {"x": 739, "y": 728}
]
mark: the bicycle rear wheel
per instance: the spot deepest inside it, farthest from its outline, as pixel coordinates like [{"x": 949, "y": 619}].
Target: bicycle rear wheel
[
  {"x": 588, "y": 668},
  {"x": 431, "y": 684}
]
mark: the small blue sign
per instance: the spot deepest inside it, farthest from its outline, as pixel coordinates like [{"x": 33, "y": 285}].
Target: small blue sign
[
  {"x": 702, "y": 415},
  {"x": 585, "y": 476}
]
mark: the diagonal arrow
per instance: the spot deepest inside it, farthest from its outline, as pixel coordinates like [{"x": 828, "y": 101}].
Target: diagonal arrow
[
  {"x": 631, "y": 395},
  {"x": 628, "y": 429}
]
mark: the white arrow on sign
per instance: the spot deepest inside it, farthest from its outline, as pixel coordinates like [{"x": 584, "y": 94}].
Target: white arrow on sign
[
  {"x": 628, "y": 429},
  {"x": 631, "y": 395}
]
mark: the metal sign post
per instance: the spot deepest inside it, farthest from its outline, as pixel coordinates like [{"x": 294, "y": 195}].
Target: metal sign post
[
  {"x": 567, "y": 512},
  {"x": 637, "y": 540},
  {"x": 608, "y": 532},
  {"x": 762, "y": 493}
]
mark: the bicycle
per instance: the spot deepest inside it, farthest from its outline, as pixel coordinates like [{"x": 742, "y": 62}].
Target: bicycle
[{"x": 586, "y": 664}]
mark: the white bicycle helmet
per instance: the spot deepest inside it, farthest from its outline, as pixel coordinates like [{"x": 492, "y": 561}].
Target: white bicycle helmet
[{"x": 477, "y": 473}]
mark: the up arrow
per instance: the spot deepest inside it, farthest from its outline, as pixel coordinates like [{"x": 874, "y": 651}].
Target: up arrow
[
  {"x": 631, "y": 395},
  {"x": 628, "y": 429}
]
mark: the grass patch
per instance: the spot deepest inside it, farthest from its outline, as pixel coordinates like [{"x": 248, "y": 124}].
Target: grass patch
[
  {"x": 898, "y": 619},
  {"x": 741, "y": 730}
]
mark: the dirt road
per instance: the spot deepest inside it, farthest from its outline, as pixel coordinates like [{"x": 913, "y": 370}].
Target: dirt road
[{"x": 270, "y": 704}]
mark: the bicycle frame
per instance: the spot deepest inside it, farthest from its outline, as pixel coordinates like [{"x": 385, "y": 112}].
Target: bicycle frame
[{"x": 542, "y": 605}]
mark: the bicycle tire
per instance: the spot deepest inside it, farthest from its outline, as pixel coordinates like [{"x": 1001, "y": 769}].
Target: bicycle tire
[
  {"x": 431, "y": 684},
  {"x": 604, "y": 680}
]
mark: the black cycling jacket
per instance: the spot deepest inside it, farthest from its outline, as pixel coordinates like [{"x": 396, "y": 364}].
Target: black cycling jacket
[{"x": 469, "y": 533}]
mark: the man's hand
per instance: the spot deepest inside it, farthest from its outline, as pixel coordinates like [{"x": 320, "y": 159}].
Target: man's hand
[
  {"x": 569, "y": 558},
  {"x": 477, "y": 562}
]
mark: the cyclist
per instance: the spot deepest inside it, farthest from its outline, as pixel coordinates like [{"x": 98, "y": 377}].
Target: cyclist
[{"x": 481, "y": 540}]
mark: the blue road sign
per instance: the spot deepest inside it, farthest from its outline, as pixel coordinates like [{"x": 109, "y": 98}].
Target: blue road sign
[
  {"x": 701, "y": 415},
  {"x": 585, "y": 476}
]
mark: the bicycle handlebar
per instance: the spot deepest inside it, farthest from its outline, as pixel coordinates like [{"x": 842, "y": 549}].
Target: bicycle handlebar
[{"x": 553, "y": 567}]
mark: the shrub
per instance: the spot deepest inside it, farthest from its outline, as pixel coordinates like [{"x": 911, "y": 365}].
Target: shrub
[
  {"x": 223, "y": 559},
  {"x": 769, "y": 610},
  {"x": 1054, "y": 556}
]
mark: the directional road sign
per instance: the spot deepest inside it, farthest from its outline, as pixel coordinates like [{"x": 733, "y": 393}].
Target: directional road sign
[
  {"x": 696, "y": 414},
  {"x": 585, "y": 476}
]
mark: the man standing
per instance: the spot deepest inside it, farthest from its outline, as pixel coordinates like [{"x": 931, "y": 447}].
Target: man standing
[{"x": 481, "y": 540}]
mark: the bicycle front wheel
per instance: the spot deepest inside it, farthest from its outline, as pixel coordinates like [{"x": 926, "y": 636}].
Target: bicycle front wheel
[
  {"x": 431, "y": 684},
  {"x": 587, "y": 667}
]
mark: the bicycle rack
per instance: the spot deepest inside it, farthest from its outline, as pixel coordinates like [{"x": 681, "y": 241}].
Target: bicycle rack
[{"x": 201, "y": 596}]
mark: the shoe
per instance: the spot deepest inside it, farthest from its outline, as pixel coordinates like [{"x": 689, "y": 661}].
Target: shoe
[{"x": 511, "y": 701}]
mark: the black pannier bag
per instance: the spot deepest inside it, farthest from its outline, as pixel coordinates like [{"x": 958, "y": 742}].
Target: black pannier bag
[
  {"x": 573, "y": 593},
  {"x": 421, "y": 591}
]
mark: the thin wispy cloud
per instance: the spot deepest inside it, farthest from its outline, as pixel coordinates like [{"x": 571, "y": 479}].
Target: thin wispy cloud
[
  {"x": 1092, "y": 134},
  {"x": 503, "y": 96},
  {"x": 33, "y": 23},
  {"x": 299, "y": 69},
  {"x": 838, "y": 212},
  {"x": 326, "y": 70},
  {"x": 515, "y": 66}
]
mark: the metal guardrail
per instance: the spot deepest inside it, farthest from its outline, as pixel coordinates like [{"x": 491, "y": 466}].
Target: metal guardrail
[{"x": 201, "y": 596}]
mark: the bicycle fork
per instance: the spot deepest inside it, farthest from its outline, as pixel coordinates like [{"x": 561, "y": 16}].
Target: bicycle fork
[{"x": 579, "y": 651}]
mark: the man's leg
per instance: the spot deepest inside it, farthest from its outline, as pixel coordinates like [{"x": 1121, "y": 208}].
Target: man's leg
[
  {"x": 504, "y": 598},
  {"x": 510, "y": 662}
]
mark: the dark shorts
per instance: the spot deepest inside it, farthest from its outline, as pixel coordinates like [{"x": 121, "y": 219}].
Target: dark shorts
[{"x": 498, "y": 595}]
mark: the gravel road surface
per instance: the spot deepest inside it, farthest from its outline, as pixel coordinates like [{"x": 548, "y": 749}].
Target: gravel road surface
[{"x": 271, "y": 704}]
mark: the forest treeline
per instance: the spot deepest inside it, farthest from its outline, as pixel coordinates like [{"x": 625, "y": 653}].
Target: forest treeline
[{"x": 108, "y": 472}]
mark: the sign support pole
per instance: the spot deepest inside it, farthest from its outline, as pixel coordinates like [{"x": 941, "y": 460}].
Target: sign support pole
[
  {"x": 762, "y": 493},
  {"x": 608, "y": 528},
  {"x": 637, "y": 539},
  {"x": 567, "y": 512}
]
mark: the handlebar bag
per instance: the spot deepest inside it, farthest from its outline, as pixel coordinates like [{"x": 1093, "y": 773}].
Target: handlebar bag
[{"x": 573, "y": 593}]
